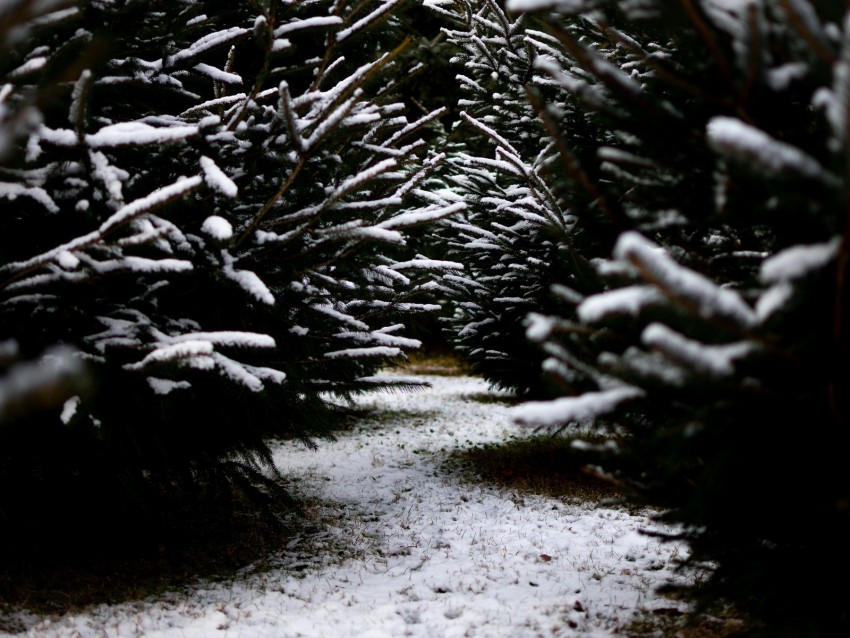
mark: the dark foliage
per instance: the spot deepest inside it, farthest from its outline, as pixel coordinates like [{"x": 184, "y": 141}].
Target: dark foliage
[
  {"x": 701, "y": 149},
  {"x": 205, "y": 203}
]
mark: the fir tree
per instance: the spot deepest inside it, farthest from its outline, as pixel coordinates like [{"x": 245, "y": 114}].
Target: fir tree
[
  {"x": 58, "y": 375},
  {"x": 717, "y": 343},
  {"x": 508, "y": 239},
  {"x": 211, "y": 211}
]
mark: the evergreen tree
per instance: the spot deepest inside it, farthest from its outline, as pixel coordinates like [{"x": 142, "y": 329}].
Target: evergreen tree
[
  {"x": 716, "y": 344},
  {"x": 25, "y": 388},
  {"x": 508, "y": 237},
  {"x": 210, "y": 210}
]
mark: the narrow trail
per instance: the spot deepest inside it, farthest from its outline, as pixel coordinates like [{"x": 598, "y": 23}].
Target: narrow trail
[{"x": 407, "y": 549}]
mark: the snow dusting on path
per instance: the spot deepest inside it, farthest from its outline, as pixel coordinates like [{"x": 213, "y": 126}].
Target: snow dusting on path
[{"x": 414, "y": 550}]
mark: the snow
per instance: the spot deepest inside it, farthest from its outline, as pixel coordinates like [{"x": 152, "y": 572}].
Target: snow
[
  {"x": 247, "y": 280},
  {"x": 392, "y": 274},
  {"x": 370, "y": 232},
  {"x": 428, "y": 264},
  {"x": 354, "y": 182},
  {"x": 371, "y": 204},
  {"x": 566, "y": 6},
  {"x": 184, "y": 350},
  {"x": 382, "y": 337},
  {"x": 167, "y": 386},
  {"x": 208, "y": 42},
  {"x": 53, "y": 17},
  {"x": 30, "y": 66},
  {"x": 361, "y": 118},
  {"x": 137, "y": 133},
  {"x": 67, "y": 260},
  {"x": 329, "y": 122},
  {"x": 780, "y": 78},
  {"x": 329, "y": 310},
  {"x": 629, "y": 300},
  {"x": 567, "y": 294},
  {"x": 149, "y": 202},
  {"x": 414, "y": 550},
  {"x": 69, "y": 408},
  {"x": 77, "y": 108},
  {"x": 218, "y": 75},
  {"x": 773, "y": 300},
  {"x": 312, "y": 22},
  {"x": 356, "y": 353},
  {"x": 237, "y": 372},
  {"x": 363, "y": 22},
  {"x": 732, "y": 136},
  {"x": 123, "y": 215},
  {"x": 579, "y": 409},
  {"x": 217, "y": 102},
  {"x": 130, "y": 263},
  {"x": 217, "y": 227},
  {"x": 111, "y": 176},
  {"x": 688, "y": 286},
  {"x": 797, "y": 261},
  {"x": 11, "y": 191},
  {"x": 216, "y": 178},
  {"x": 232, "y": 338},
  {"x": 265, "y": 374},
  {"x": 538, "y": 327},
  {"x": 489, "y": 132},
  {"x": 717, "y": 361}
]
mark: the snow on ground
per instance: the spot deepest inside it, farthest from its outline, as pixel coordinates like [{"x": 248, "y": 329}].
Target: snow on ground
[{"x": 413, "y": 550}]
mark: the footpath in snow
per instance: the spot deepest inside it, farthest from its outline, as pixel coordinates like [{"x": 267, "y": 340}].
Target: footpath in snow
[{"x": 409, "y": 549}]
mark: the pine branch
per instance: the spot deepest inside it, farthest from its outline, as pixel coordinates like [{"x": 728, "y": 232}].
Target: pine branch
[
  {"x": 608, "y": 74},
  {"x": 755, "y": 53},
  {"x": 659, "y": 65},
  {"x": 572, "y": 163},
  {"x": 159, "y": 198},
  {"x": 711, "y": 44},
  {"x": 803, "y": 19}
]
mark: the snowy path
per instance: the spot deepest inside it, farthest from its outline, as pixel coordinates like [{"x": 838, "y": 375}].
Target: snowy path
[{"x": 422, "y": 554}]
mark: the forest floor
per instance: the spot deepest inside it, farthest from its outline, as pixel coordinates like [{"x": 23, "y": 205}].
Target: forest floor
[{"x": 427, "y": 518}]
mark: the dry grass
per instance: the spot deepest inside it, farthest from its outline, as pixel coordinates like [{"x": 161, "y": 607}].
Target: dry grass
[
  {"x": 543, "y": 465},
  {"x": 439, "y": 363},
  {"x": 721, "y": 622}
]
